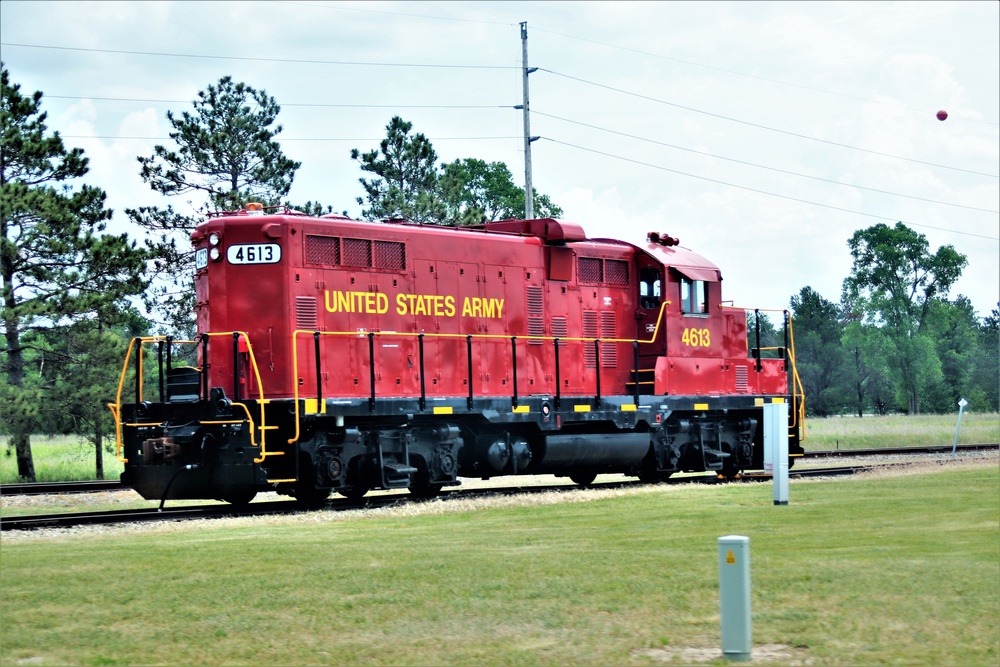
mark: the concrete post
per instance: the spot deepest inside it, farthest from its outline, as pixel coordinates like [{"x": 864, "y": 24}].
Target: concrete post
[
  {"x": 776, "y": 448},
  {"x": 734, "y": 597}
]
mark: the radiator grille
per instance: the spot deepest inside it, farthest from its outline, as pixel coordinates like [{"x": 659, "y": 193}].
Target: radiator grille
[
  {"x": 323, "y": 250},
  {"x": 590, "y": 270},
  {"x": 357, "y": 252},
  {"x": 616, "y": 272},
  {"x": 390, "y": 255}
]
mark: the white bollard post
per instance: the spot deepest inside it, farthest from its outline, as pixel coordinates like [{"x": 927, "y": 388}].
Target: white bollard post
[
  {"x": 776, "y": 448},
  {"x": 961, "y": 406},
  {"x": 734, "y": 597}
]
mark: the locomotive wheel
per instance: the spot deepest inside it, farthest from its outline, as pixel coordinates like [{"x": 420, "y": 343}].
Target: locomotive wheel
[
  {"x": 583, "y": 478},
  {"x": 311, "y": 496},
  {"x": 239, "y": 498},
  {"x": 426, "y": 490},
  {"x": 353, "y": 492},
  {"x": 653, "y": 477}
]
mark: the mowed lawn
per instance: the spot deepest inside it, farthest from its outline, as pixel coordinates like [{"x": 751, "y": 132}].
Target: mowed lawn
[{"x": 891, "y": 569}]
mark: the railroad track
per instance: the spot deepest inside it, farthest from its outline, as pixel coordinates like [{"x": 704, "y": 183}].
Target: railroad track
[
  {"x": 35, "y": 521},
  {"x": 55, "y": 488}
]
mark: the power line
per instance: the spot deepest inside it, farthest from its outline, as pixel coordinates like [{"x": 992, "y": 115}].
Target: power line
[
  {"x": 279, "y": 139},
  {"x": 751, "y": 76},
  {"x": 763, "y": 192},
  {"x": 295, "y": 104},
  {"x": 296, "y": 61},
  {"x": 762, "y": 127},
  {"x": 761, "y": 166}
]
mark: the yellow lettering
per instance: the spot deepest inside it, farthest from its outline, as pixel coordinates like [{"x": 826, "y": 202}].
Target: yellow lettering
[
  {"x": 466, "y": 308},
  {"x": 326, "y": 299},
  {"x": 383, "y": 304},
  {"x": 499, "y": 309},
  {"x": 449, "y": 306}
]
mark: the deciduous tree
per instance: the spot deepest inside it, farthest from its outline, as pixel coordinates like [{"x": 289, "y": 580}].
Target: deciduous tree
[{"x": 894, "y": 281}]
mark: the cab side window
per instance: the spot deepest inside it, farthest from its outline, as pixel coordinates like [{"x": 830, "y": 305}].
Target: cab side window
[
  {"x": 649, "y": 287},
  {"x": 693, "y": 297}
]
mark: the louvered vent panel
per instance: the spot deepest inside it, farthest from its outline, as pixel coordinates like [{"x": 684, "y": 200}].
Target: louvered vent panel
[
  {"x": 560, "y": 328},
  {"x": 741, "y": 379},
  {"x": 305, "y": 312},
  {"x": 536, "y": 301},
  {"x": 357, "y": 252},
  {"x": 590, "y": 270},
  {"x": 591, "y": 329},
  {"x": 616, "y": 272},
  {"x": 390, "y": 255},
  {"x": 609, "y": 351},
  {"x": 323, "y": 250},
  {"x": 536, "y": 313}
]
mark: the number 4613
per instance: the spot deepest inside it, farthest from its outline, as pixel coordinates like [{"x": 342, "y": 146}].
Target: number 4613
[{"x": 696, "y": 337}]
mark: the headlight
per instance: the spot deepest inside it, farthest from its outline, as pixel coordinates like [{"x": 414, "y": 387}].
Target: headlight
[
  {"x": 215, "y": 254},
  {"x": 213, "y": 239}
]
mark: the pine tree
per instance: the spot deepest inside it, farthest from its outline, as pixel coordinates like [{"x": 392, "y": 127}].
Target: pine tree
[
  {"x": 56, "y": 263},
  {"x": 226, "y": 155}
]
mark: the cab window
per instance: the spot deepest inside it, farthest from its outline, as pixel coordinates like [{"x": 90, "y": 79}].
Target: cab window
[
  {"x": 649, "y": 287},
  {"x": 693, "y": 297}
]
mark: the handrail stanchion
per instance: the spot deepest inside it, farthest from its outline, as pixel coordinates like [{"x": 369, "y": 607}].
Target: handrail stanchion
[
  {"x": 371, "y": 369},
  {"x": 468, "y": 345},
  {"x": 597, "y": 370},
  {"x": 159, "y": 366},
  {"x": 236, "y": 366},
  {"x": 635, "y": 356},
  {"x": 138, "y": 372},
  {"x": 786, "y": 339},
  {"x": 555, "y": 342},
  {"x": 204, "y": 366},
  {"x": 513, "y": 364},
  {"x": 319, "y": 373},
  {"x": 756, "y": 322},
  {"x": 423, "y": 386}
]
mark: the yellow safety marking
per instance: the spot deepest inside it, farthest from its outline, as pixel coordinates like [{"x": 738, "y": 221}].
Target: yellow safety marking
[
  {"x": 313, "y": 407},
  {"x": 281, "y": 481},
  {"x": 792, "y": 456},
  {"x": 777, "y": 400},
  {"x": 581, "y": 408},
  {"x": 629, "y": 407},
  {"x": 701, "y": 406},
  {"x": 730, "y": 558},
  {"x": 444, "y": 410},
  {"x": 758, "y": 402},
  {"x": 269, "y": 428},
  {"x": 521, "y": 408}
]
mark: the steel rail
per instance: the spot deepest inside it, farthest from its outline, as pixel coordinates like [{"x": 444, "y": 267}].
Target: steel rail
[{"x": 56, "y": 488}]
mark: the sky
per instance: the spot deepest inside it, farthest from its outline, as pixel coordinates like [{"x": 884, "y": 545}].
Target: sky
[{"x": 762, "y": 134}]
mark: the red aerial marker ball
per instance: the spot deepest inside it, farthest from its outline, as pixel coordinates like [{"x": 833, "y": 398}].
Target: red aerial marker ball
[{"x": 942, "y": 115}]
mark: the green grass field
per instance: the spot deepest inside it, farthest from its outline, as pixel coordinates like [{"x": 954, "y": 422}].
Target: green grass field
[{"x": 900, "y": 569}]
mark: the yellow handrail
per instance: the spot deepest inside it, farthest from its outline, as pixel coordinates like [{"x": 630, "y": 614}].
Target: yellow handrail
[
  {"x": 411, "y": 334},
  {"x": 115, "y": 407}
]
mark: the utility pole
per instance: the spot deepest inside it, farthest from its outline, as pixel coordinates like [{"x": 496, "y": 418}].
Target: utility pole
[{"x": 529, "y": 206}]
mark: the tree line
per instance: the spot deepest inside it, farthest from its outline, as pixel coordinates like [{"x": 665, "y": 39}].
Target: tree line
[{"x": 74, "y": 295}]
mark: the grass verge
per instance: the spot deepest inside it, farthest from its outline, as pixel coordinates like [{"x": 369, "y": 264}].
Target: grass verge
[
  {"x": 873, "y": 432},
  {"x": 874, "y": 570}
]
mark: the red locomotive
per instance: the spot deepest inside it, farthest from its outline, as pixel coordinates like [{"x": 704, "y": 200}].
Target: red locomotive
[{"x": 343, "y": 355}]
